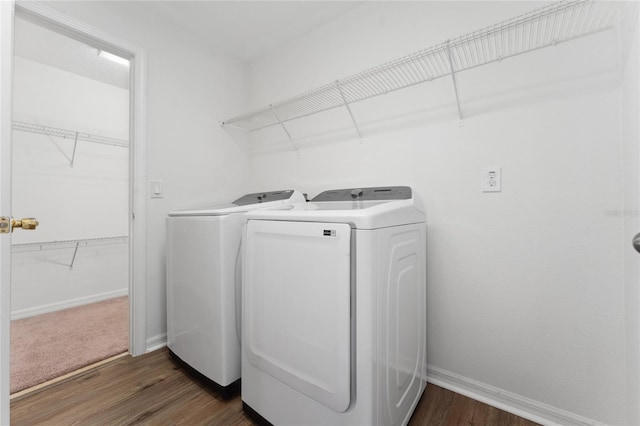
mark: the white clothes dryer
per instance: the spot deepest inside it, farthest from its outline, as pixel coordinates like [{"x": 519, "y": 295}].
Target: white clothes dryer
[
  {"x": 334, "y": 309},
  {"x": 203, "y": 269}
]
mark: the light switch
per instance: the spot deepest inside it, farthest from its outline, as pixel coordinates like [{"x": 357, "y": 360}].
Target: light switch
[{"x": 156, "y": 189}]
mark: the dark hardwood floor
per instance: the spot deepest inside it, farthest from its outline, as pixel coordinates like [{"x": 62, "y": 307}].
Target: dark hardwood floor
[{"x": 152, "y": 389}]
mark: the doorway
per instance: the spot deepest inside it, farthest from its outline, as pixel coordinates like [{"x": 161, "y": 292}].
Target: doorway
[
  {"x": 49, "y": 17},
  {"x": 70, "y": 165}
]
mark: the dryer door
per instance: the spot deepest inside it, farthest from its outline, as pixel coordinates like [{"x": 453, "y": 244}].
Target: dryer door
[{"x": 296, "y": 306}]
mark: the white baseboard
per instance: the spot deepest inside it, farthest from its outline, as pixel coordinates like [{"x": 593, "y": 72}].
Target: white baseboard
[
  {"x": 156, "y": 342},
  {"x": 516, "y": 404},
  {"x": 65, "y": 304}
]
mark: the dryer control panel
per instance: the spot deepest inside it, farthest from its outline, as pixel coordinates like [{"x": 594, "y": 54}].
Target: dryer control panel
[
  {"x": 379, "y": 193},
  {"x": 263, "y": 197}
]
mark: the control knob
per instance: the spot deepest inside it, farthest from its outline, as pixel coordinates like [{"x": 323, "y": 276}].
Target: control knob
[{"x": 356, "y": 193}]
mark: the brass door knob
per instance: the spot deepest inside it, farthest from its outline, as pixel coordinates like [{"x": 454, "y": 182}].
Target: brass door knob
[{"x": 24, "y": 223}]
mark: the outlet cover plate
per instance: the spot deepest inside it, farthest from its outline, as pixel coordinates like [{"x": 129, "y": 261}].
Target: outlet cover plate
[{"x": 492, "y": 179}]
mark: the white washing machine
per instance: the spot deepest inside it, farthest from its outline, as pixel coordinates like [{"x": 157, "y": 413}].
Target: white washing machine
[
  {"x": 334, "y": 309},
  {"x": 203, "y": 269}
]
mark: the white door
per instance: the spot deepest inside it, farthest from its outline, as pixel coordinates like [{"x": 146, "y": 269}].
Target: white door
[
  {"x": 297, "y": 306},
  {"x": 6, "y": 69},
  {"x": 630, "y": 216}
]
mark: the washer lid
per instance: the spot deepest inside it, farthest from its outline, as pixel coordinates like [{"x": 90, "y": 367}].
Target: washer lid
[
  {"x": 253, "y": 201},
  {"x": 367, "y": 208}
]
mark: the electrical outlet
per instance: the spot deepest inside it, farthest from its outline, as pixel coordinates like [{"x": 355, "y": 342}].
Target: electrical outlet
[{"x": 492, "y": 179}]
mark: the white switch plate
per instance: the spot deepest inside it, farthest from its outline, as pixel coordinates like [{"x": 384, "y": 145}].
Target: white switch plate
[
  {"x": 155, "y": 189},
  {"x": 492, "y": 179}
]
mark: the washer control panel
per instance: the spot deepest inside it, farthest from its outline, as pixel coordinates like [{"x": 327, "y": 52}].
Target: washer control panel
[
  {"x": 263, "y": 197},
  {"x": 379, "y": 193}
]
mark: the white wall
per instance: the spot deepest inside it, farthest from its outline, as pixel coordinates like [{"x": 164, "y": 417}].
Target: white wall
[
  {"x": 86, "y": 201},
  {"x": 630, "y": 216},
  {"x": 525, "y": 287},
  {"x": 191, "y": 88}
]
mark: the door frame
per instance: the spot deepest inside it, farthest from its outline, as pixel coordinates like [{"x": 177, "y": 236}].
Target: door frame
[
  {"x": 55, "y": 20},
  {"x": 7, "y": 9}
]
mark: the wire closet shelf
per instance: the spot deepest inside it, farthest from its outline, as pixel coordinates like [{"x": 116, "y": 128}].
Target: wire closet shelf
[
  {"x": 67, "y": 244},
  {"x": 544, "y": 27},
  {"x": 68, "y": 134}
]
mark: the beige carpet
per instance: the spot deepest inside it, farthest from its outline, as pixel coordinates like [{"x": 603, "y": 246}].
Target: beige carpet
[{"x": 47, "y": 346}]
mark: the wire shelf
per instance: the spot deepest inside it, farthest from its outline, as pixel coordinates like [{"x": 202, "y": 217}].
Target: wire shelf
[
  {"x": 67, "y": 244},
  {"x": 544, "y": 27},
  {"x": 68, "y": 134}
]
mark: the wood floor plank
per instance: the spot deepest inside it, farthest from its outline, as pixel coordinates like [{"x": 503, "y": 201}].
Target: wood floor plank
[
  {"x": 433, "y": 406},
  {"x": 153, "y": 390}
]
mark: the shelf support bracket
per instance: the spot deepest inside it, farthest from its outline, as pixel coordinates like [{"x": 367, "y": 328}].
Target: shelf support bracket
[
  {"x": 244, "y": 148},
  {"x": 346, "y": 104},
  {"x": 73, "y": 156},
  {"x": 455, "y": 83},
  {"x": 75, "y": 252},
  {"x": 283, "y": 127}
]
